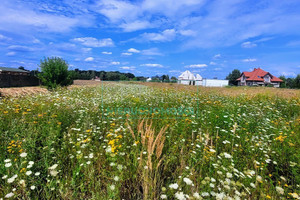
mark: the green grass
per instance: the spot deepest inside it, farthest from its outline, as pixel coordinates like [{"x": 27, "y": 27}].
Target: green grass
[{"x": 240, "y": 147}]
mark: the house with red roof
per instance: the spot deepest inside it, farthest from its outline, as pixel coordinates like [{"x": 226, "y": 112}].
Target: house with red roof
[{"x": 258, "y": 77}]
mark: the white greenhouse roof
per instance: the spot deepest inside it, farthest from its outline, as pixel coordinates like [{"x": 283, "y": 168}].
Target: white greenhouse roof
[{"x": 187, "y": 75}]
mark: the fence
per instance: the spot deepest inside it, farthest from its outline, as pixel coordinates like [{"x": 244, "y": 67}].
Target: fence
[{"x": 8, "y": 80}]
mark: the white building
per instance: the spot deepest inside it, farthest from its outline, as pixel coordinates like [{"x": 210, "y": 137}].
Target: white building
[
  {"x": 214, "y": 83},
  {"x": 149, "y": 79},
  {"x": 199, "y": 79},
  {"x": 188, "y": 78}
]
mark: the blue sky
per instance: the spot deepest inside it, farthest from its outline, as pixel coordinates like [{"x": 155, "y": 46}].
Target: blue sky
[{"x": 154, "y": 37}]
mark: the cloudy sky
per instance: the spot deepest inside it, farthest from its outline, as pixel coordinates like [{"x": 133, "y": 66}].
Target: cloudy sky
[{"x": 150, "y": 37}]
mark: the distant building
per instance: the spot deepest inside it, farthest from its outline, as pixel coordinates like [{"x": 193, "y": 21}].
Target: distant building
[
  {"x": 149, "y": 79},
  {"x": 188, "y": 78},
  {"x": 214, "y": 83},
  {"x": 258, "y": 77},
  {"x": 12, "y": 77},
  {"x": 13, "y": 71}
]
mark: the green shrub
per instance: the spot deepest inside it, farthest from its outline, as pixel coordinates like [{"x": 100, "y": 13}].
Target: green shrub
[{"x": 55, "y": 72}]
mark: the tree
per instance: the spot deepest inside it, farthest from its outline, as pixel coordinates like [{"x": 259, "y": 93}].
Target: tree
[
  {"x": 22, "y": 68},
  {"x": 290, "y": 83},
  {"x": 297, "y": 81},
  {"x": 173, "y": 79},
  {"x": 235, "y": 74},
  {"x": 283, "y": 84},
  {"x": 54, "y": 72},
  {"x": 164, "y": 78}
]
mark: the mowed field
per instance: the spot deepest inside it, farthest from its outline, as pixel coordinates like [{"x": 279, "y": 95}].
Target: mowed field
[{"x": 130, "y": 140}]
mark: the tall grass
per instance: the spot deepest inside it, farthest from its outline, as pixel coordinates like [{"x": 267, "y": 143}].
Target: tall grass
[{"x": 69, "y": 144}]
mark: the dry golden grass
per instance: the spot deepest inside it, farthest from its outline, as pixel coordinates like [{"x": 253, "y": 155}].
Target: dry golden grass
[
  {"x": 21, "y": 91},
  {"x": 153, "y": 144},
  {"x": 232, "y": 91}
]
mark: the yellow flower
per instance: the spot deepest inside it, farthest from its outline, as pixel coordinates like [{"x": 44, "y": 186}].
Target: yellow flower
[
  {"x": 23, "y": 170},
  {"x": 268, "y": 197},
  {"x": 280, "y": 138}
]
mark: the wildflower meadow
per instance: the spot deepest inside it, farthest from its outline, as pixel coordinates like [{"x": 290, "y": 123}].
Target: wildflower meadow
[{"x": 131, "y": 141}]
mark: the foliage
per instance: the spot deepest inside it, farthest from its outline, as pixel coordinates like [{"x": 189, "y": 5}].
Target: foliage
[
  {"x": 103, "y": 75},
  {"x": 290, "y": 82},
  {"x": 80, "y": 144},
  {"x": 235, "y": 74},
  {"x": 54, "y": 72}
]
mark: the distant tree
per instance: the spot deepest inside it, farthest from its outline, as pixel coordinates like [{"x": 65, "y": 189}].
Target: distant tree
[
  {"x": 297, "y": 81},
  {"x": 129, "y": 75},
  {"x": 113, "y": 76},
  {"x": 34, "y": 72},
  {"x": 235, "y": 74},
  {"x": 123, "y": 77},
  {"x": 165, "y": 78},
  {"x": 22, "y": 68},
  {"x": 92, "y": 74},
  {"x": 54, "y": 72},
  {"x": 173, "y": 79},
  {"x": 102, "y": 76},
  {"x": 290, "y": 83},
  {"x": 283, "y": 84}
]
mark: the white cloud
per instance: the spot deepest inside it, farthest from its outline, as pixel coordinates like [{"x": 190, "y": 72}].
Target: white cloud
[
  {"x": 218, "y": 69},
  {"x": 136, "y": 25},
  {"x": 2, "y": 37},
  {"x": 20, "y": 48},
  {"x": 11, "y": 53},
  {"x": 165, "y": 36},
  {"x": 151, "y": 52},
  {"x": 32, "y": 19},
  {"x": 174, "y": 71},
  {"x": 289, "y": 74},
  {"x": 86, "y": 50},
  {"x": 36, "y": 41},
  {"x": 196, "y": 66},
  {"x": 128, "y": 67},
  {"x": 152, "y": 65},
  {"x": 249, "y": 60},
  {"x": 212, "y": 63},
  {"x": 106, "y": 52},
  {"x": 89, "y": 59},
  {"x": 133, "y": 50},
  {"x": 94, "y": 42},
  {"x": 217, "y": 56},
  {"x": 188, "y": 32},
  {"x": 132, "y": 16},
  {"x": 248, "y": 45},
  {"x": 294, "y": 43},
  {"x": 115, "y": 63},
  {"x": 126, "y": 54}
]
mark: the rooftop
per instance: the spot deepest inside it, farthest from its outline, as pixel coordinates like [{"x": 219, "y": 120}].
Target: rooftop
[
  {"x": 258, "y": 75},
  {"x": 8, "y": 69}
]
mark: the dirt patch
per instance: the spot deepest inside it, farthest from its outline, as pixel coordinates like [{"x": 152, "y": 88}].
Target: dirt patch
[
  {"x": 21, "y": 91},
  {"x": 86, "y": 82}
]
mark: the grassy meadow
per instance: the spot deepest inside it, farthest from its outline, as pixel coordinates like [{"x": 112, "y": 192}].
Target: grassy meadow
[{"x": 132, "y": 141}]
